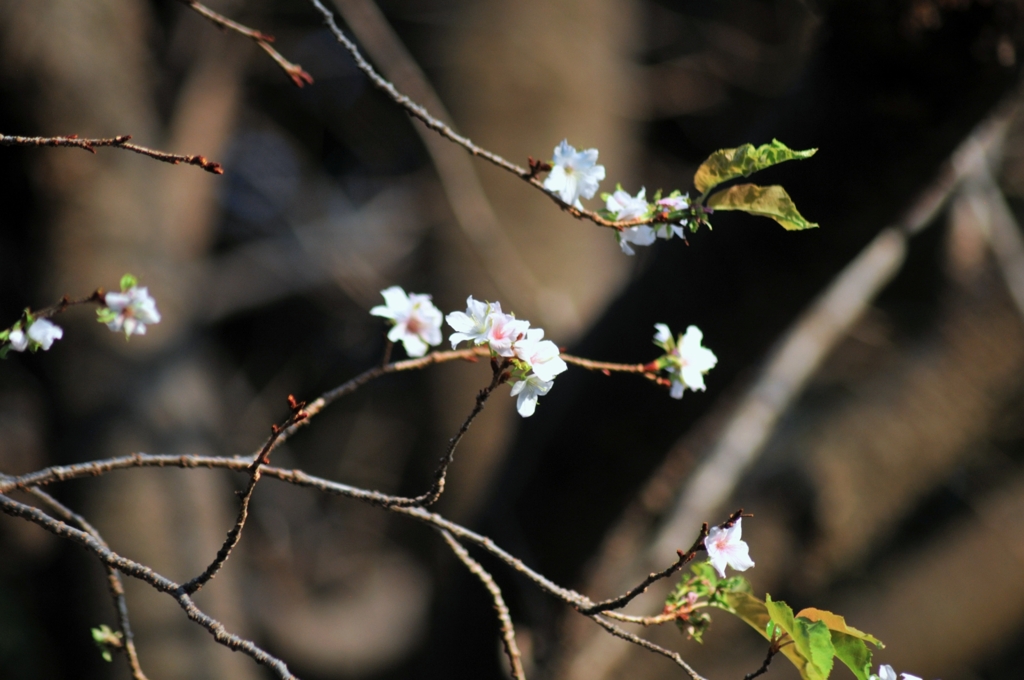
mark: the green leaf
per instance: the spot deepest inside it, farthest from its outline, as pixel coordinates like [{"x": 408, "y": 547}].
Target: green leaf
[
  {"x": 812, "y": 640},
  {"x": 854, "y": 653},
  {"x": 850, "y": 643},
  {"x": 772, "y": 201},
  {"x": 105, "y": 315},
  {"x": 128, "y": 281},
  {"x": 4, "y": 350},
  {"x": 743, "y": 161},
  {"x": 754, "y": 613},
  {"x": 838, "y": 623}
]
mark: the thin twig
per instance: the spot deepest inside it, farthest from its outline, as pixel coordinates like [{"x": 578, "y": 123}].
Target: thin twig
[
  {"x": 299, "y": 478},
  {"x": 608, "y": 367},
  {"x": 647, "y": 644},
  {"x": 499, "y": 256},
  {"x": 643, "y": 620},
  {"x": 508, "y": 632},
  {"x": 347, "y": 388},
  {"x": 773, "y": 649},
  {"x": 97, "y": 468},
  {"x": 143, "y": 573},
  {"x": 113, "y": 582},
  {"x": 294, "y": 71},
  {"x": 626, "y": 598},
  {"x": 235, "y": 534},
  {"x": 420, "y": 113},
  {"x": 440, "y": 475},
  {"x": 120, "y": 142}
]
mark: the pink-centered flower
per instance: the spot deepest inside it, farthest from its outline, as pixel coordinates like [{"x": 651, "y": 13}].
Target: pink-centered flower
[
  {"x": 134, "y": 309},
  {"x": 726, "y": 548},
  {"x": 417, "y": 322},
  {"x": 505, "y": 330},
  {"x": 541, "y": 355}
]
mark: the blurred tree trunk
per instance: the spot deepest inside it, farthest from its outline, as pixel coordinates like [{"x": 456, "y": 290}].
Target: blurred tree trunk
[{"x": 91, "y": 72}]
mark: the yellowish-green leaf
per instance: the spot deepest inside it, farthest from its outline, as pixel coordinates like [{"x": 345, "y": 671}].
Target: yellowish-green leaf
[
  {"x": 811, "y": 638},
  {"x": 743, "y": 161},
  {"x": 755, "y": 614},
  {"x": 772, "y": 201},
  {"x": 849, "y": 642},
  {"x": 838, "y": 623}
]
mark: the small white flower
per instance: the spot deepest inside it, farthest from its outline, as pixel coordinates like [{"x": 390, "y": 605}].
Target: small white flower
[
  {"x": 689, "y": 362},
  {"x": 725, "y": 547},
  {"x": 528, "y": 390},
  {"x": 417, "y": 321},
  {"x": 575, "y": 174},
  {"x": 541, "y": 355},
  {"x": 474, "y": 323},
  {"x": 663, "y": 337},
  {"x": 885, "y": 672},
  {"x": 640, "y": 235},
  {"x": 626, "y": 207},
  {"x": 45, "y": 332},
  {"x": 18, "y": 340},
  {"x": 134, "y": 308},
  {"x": 505, "y": 330}
]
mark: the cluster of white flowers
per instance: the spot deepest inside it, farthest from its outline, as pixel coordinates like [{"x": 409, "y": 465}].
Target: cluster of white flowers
[
  {"x": 41, "y": 334},
  {"x": 130, "y": 311},
  {"x": 726, "y": 548},
  {"x": 417, "y": 322},
  {"x": 885, "y": 672},
  {"x": 685, "y": 360},
  {"x": 535, "y": 361},
  {"x": 576, "y": 174}
]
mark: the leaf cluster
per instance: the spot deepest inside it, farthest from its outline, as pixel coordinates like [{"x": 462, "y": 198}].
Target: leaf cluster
[{"x": 770, "y": 201}]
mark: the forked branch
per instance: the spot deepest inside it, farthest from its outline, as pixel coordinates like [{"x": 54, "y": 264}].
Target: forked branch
[{"x": 508, "y": 631}]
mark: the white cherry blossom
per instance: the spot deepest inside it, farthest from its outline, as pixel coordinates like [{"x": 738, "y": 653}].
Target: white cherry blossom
[
  {"x": 45, "y": 332},
  {"x": 626, "y": 207},
  {"x": 474, "y": 323},
  {"x": 417, "y": 321},
  {"x": 640, "y": 235},
  {"x": 541, "y": 355},
  {"x": 574, "y": 174},
  {"x": 505, "y": 330},
  {"x": 18, "y": 340},
  {"x": 133, "y": 309},
  {"x": 528, "y": 390},
  {"x": 886, "y": 672},
  {"x": 726, "y": 548}
]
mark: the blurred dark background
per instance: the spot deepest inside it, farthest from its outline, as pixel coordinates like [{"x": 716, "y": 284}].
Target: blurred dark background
[{"x": 891, "y": 489}]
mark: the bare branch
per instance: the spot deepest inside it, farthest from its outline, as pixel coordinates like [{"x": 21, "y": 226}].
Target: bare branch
[
  {"x": 773, "y": 649},
  {"x": 144, "y": 573},
  {"x": 437, "y": 488},
  {"x": 120, "y": 142},
  {"x": 647, "y": 644},
  {"x": 294, "y": 71},
  {"x": 626, "y": 598},
  {"x": 235, "y": 534},
  {"x": 440, "y": 127},
  {"x": 508, "y": 632},
  {"x": 113, "y": 581}
]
